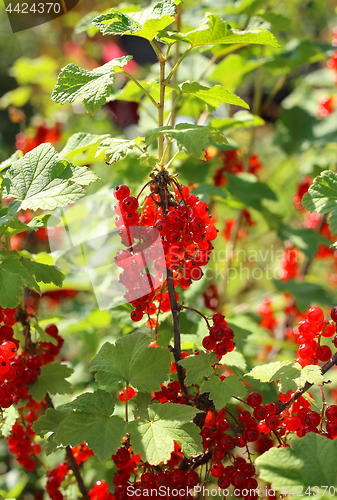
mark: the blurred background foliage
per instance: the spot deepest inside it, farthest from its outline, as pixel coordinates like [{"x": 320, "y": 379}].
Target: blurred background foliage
[{"x": 292, "y": 140}]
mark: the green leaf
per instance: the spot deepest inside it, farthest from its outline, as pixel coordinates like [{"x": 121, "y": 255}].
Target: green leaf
[
  {"x": 92, "y": 421},
  {"x": 207, "y": 192},
  {"x": 142, "y": 400},
  {"x": 93, "y": 86},
  {"x": 116, "y": 149},
  {"x": 43, "y": 335},
  {"x": 81, "y": 142},
  {"x": 213, "y": 96},
  {"x": 305, "y": 294},
  {"x": 290, "y": 376},
  {"x": 194, "y": 139},
  {"x": 221, "y": 392},
  {"x": 41, "y": 180},
  {"x": 309, "y": 461},
  {"x": 11, "y": 287},
  {"x": 235, "y": 358},
  {"x": 265, "y": 372},
  {"x": 306, "y": 240},
  {"x": 15, "y": 266},
  {"x": 286, "y": 376},
  {"x": 146, "y": 23},
  {"x": 198, "y": 366},
  {"x": 9, "y": 162},
  {"x": 49, "y": 422},
  {"x": 246, "y": 188},
  {"x": 322, "y": 197},
  {"x": 215, "y": 31},
  {"x": 312, "y": 374},
  {"x": 53, "y": 380},
  {"x": 43, "y": 272},
  {"x": 11, "y": 225},
  {"x": 168, "y": 422},
  {"x": 130, "y": 361}
]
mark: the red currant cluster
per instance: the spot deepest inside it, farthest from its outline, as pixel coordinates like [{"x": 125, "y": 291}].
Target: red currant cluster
[
  {"x": 325, "y": 105},
  {"x": 229, "y": 226},
  {"x": 41, "y": 134},
  {"x": 21, "y": 369},
  {"x": 289, "y": 264},
  {"x": 100, "y": 491},
  {"x": 171, "y": 392},
  {"x": 310, "y": 333},
  {"x": 21, "y": 440},
  {"x": 266, "y": 312},
  {"x": 232, "y": 163},
  {"x": 150, "y": 480},
  {"x": 55, "y": 478},
  {"x": 81, "y": 453},
  {"x": 7, "y": 351},
  {"x": 178, "y": 238},
  {"x": 302, "y": 188},
  {"x": 240, "y": 474},
  {"x": 220, "y": 338}
]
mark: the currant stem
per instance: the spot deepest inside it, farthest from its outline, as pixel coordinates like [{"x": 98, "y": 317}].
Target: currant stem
[
  {"x": 72, "y": 462},
  {"x": 198, "y": 312},
  {"x": 175, "y": 307},
  {"x": 142, "y": 88},
  {"x": 126, "y": 403}
]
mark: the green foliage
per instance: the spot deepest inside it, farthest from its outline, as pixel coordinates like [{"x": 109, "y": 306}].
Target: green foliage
[
  {"x": 214, "y": 31},
  {"x": 144, "y": 23},
  {"x": 11, "y": 225},
  {"x": 288, "y": 375},
  {"x": 247, "y": 189},
  {"x": 116, "y": 149},
  {"x": 41, "y": 180},
  {"x": 305, "y": 294},
  {"x": 322, "y": 197},
  {"x": 52, "y": 379},
  {"x": 192, "y": 138},
  {"x": 198, "y": 366},
  {"x": 306, "y": 240},
  {"x": 130, "y": 360},
  {"x": 153, "y": 438},
  {"x": 17, "y": 271},
  {"x": 93, "y": 86},
  {"x": 221, "y": 392},
  {"x": 308, "y": 462},
  {"x": 81, "y": 143},
  {"x": 90, "y": 419},
  {"x": 212, "y": 96},
  {"x": 49, "y": 421}
]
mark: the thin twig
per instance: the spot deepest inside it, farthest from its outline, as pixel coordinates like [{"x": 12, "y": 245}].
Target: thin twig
[
  {"x": 72, "y": 462},
  {"x": 198, "y": 312}
]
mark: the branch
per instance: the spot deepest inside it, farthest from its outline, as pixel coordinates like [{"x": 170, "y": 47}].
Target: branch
[
  {"x": 176, "y": 328},
  {"x": 283, "y": 406},
  {"x": 141, "y": 87},
  {"x": 72, "y": 462}
]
